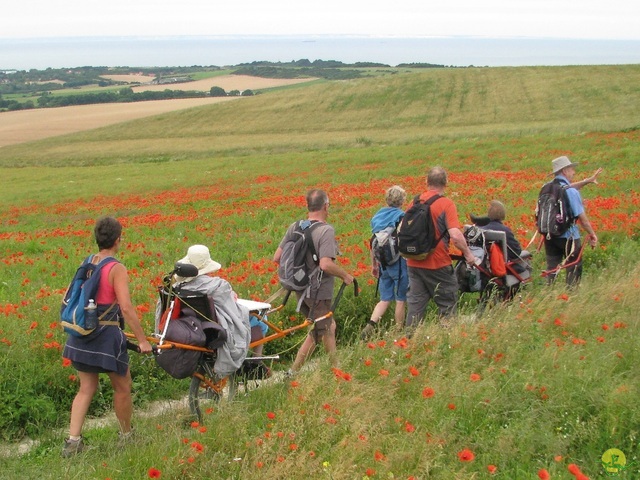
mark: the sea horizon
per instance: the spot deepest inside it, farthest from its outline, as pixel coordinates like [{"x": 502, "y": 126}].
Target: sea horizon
[{"x": 226, "y": 50}]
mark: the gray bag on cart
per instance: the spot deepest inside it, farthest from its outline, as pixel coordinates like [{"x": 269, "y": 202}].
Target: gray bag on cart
[{"x": 180, "y": 362}]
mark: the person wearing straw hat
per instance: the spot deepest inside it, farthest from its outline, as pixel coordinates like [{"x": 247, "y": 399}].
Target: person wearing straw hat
[
  {"x": 567, "y": 247},
  {"x": 231, "y": 315}
]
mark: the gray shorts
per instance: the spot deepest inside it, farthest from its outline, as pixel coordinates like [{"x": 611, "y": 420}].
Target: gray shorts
[
  {"x": 440, "y": 285},
  {"x": 318, "y": 309}
]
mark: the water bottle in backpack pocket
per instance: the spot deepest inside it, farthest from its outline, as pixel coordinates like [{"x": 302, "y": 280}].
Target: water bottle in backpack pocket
[{"x": 75, "y": 310}]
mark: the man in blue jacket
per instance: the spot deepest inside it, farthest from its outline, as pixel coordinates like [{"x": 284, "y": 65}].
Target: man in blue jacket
[{"x": 568, "y": 245}]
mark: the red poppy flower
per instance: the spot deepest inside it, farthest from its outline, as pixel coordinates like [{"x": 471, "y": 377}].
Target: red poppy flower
[
  {"x": 492, "y": 469},
  {"x": 466, "y": 455},
  {"x": 383, "y": 372},
  {"x": 379, "y": 456},
  {"x": 414, "y": 371},
  {"x": 271, "y": 415},
  {"x": 475, "y": 377},
  {"x": 543, "y": 474},
  {"x": 573, "y": 469},
  {"x": 154, "y": 473},
  {"x": 370, "y": 472},
  {"x": 428, "y": 392},
  {"x": 198, "y": 447},
  {"x": 66, "y": 362}
]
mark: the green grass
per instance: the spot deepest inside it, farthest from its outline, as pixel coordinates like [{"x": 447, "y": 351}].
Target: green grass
[
  {"x": 553, "y": 381},
  {"x": 416, "y": 109}
]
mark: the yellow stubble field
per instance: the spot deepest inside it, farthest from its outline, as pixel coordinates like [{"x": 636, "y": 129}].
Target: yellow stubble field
[{"x": 28, "y": 125}]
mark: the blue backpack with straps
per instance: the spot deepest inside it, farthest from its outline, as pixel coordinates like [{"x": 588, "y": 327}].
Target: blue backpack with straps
[{"x": 83, "y": 287}]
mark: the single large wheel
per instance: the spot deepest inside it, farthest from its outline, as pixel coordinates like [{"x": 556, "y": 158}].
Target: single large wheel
[{"x": 206, "y": 391}]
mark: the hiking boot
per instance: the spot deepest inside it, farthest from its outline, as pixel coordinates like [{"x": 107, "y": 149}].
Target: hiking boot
[
  {"x": 72, "y": 447},
  {"x": 368, "y": 330},
  {"x": 125, "y": 439}
]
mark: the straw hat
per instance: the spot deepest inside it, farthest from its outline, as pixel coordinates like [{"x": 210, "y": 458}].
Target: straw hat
[
  {"x": 559, "y": 163},
  {"x": 199, "y": 256}
]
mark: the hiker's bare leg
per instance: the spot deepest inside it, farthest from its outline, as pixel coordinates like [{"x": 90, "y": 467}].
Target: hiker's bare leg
[
  {"x": 122, "y": 403},
  {"x": 329, "y": 341},
  {"x": 400, "y": 314},
  {"x": 307, "y": 348},
  {"x": 81, "y": 402}
]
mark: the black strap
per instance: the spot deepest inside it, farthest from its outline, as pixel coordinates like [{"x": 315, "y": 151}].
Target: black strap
[
  {"x": 433, "y": 199},
  {"x": 307, "y": 234}
]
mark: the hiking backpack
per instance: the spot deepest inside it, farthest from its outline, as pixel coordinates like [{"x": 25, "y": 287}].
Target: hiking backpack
[
  {"x": 497, "y": 262},
  {"x": 416, "y": 231},
  {"x": 553, "y": 215},
  {"x": 83, "y": 287},
  {"x": 292, "y": 271},
  {"x": 384, "y": 245}
]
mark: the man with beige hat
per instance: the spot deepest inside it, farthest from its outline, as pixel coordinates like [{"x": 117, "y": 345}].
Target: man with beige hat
[{"x": 568, "y": 245}]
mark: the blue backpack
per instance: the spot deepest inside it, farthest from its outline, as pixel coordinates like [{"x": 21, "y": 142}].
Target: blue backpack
[{"x": 83, "y": 287}]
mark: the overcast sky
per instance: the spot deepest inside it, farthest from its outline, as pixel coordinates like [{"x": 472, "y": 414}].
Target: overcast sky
[{"x": 599, "y": 19}]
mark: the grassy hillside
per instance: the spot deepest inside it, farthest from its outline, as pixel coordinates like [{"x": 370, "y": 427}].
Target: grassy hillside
[
  {"x": 407, "y": 108},
  {"x": 542, "y": 385},
  {"x": 554, "y": 374}
]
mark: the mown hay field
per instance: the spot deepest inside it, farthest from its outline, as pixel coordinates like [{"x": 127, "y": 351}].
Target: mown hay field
[
  {"x": 226, "y": 82},
  {"x": 28, "y": 125}
]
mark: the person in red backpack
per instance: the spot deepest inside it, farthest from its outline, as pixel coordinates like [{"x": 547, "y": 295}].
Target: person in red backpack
[
  {"x": 104, "y": 350},
  {"x": 433, "y": 277},
  {"x": 496, "y": 215}
]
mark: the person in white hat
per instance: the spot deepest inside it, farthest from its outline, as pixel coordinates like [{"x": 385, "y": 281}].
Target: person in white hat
[
  {"x": 199, "y": 256},
  {"x": 229, "y": 313},
  {"x": 568, "y": 245}
]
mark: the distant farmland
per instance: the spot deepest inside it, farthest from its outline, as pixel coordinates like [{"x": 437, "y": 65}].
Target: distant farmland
[{"x": 28, "y": 125}]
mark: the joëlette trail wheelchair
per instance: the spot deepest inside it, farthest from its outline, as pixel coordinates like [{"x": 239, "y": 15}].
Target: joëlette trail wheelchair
[
  {"x": 496, "y": 279},
  {"x": 192, "y": 318}
]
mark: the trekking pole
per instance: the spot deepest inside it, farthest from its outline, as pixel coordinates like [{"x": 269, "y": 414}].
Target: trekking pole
[{"x": 341, "y": 291}]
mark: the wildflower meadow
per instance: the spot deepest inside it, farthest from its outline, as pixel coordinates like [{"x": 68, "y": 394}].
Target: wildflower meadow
[{"x": 542, "y": 387}]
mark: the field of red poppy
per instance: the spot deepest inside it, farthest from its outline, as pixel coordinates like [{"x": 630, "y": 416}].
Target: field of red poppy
[{"x": 542, "y": 387}]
